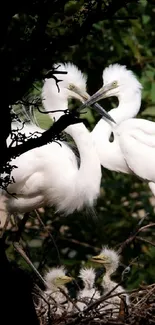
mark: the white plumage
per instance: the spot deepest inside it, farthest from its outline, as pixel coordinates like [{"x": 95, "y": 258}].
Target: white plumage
[
  {"x": 49, "y": 175},
  {"x": 137, "y": 140},
  {"x": 132, "y": 150},
  {"x": 110, "y": 259},
  {"x": 89, "y": 293},
  {"x": 128, "y": 91},
  {"x": 56, "y": 279}
]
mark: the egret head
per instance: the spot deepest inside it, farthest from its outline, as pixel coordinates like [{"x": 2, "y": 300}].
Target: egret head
[
  {"x": 117, "y": 81},
  {"x": 57, "y": 277},
  {"x": 74, "y": 82},
  {"x": 108, "y": 257},
  {"x": 72, "y": 85},
  {"x": 121, "y": 80},
  {"x": 88, "y": 277}
]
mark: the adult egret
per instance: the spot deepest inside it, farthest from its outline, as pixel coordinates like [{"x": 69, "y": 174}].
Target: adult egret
[
  {"x": 110, "y": 259},
  {"x": 120, "y": 82},
  {"x": 49, "y": 175},
  {"x": 56, "y": 279},
  {"x": 89, "y": 293},
  {"x": 132, "y": 150}
]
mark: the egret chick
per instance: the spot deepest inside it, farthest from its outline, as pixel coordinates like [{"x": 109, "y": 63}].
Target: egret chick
[
  {"x": 56, "y": 279},
  {"x": 89, "y": 292},
  {"x": 110, "y": 259}
]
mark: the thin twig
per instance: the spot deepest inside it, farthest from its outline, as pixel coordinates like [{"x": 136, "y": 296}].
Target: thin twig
[
  {"x": 21, "y": 226},
  {"x": 133, "y": 236},
  {"x": 69, "y": 299},
  {"x": 145, "y": 240},
  {"x": 20, "y": 250},
  {"x": 80, "y": 243},
  {"x": 49, "y": 234}
]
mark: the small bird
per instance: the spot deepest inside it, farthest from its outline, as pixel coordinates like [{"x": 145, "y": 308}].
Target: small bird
[
  {"x": 56, "y": 279},
  {"x": 110, "y": 259},
  {"x": 89, "y": 293}
]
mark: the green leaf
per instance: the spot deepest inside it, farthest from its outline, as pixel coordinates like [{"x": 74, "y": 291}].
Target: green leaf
[{"x": 145, "y": 19}]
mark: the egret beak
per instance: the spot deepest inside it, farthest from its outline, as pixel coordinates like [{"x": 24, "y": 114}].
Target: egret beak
[
  {"x": 87, "y": 102},
  {"x": 67, "y": 279},
  {"x": 102, "y": 112},
  {"x": 100, "y": 94},
  {"x": 101, "y": 259}
]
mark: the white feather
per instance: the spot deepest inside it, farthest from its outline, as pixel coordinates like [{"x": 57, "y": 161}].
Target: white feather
[{"x": 49, "y": 175}]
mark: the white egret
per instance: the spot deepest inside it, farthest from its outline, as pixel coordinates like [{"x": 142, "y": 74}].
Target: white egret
[
  {"x": 110, "y": 259},
  {"x": 89, "y": 293},
  {"x": 56, "y": 279},
  {"x": 132, "y": 150},
  {"x": 119, "y": 82},
  {"x": 49, "y": 175}
]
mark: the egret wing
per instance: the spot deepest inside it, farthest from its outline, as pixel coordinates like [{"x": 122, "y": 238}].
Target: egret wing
[{"x": 137, "y": 142}]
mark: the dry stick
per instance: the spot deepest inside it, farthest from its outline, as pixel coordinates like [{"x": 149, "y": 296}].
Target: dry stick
[
  {"x": 105, "y": 297},
  {"x": 100, "y": 300},
  {"x": 21, "y": 226},
  {"x": 145, "y": 240},
  {"x": 50, "y": 235},
  {"x": 80, "y": 243},
  {"x": 67, "y": 296},
  {"x": 145, "y": 297},
  {"x": 20, "y": 250},
  {"x": 133, "y": 236}
]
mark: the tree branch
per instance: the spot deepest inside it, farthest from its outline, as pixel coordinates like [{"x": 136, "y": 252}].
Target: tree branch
[{"x": 53, "y": 133}]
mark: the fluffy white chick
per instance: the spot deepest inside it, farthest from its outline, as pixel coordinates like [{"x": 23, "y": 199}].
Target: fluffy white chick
[
  {"x": 110, "y": 259},
  {"x": 56, "y": 279},
  {"x": 89, "y": 293}
]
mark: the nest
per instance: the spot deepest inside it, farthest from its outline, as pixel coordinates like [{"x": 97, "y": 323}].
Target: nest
[{"x": 141, "y": 310}]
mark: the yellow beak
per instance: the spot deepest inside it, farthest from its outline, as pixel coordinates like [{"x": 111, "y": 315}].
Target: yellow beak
[
  {"x": 101, "y": 259},
  {"x": 67, "y": 279}
]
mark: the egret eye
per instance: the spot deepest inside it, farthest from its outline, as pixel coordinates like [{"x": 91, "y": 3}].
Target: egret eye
[
  {"x": 71, "y": 87},
  {"x": 114, "y": 83}
]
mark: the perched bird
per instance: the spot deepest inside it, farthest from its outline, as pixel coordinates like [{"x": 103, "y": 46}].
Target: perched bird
[
  {"x": 50, "y": 175},
  {"x": 110, "y": 259},
  {"x": 116, "y": 81},
  {"x": 56, "y": 279},
  {"x": 132, "y": 150},
  {"x": 89, "y": 293}
]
